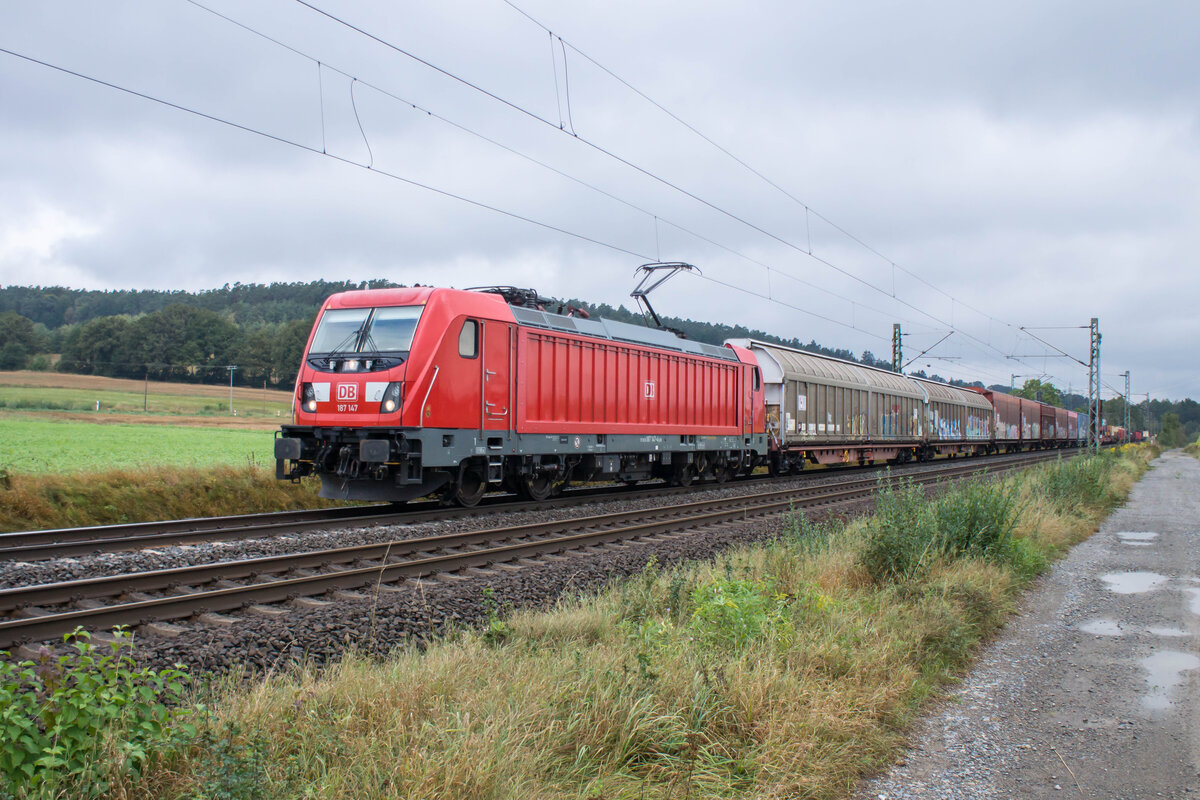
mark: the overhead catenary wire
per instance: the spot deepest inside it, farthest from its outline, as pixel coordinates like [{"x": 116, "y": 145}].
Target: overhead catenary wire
[
  {"x": 648, "y": 173},
  {"x": 609, "y": 153},
  {"x": 762, "y": 176},
  {"x": 622, "y": 160},
  {"x": 369, "y": 165},
  {"x": 308, "y": 148},
  {"x": 520, "y": 154},
  {"x": 758, "y": 173}
]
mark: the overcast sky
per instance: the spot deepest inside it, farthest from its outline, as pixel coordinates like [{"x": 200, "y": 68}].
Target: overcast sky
[{"x": 947, "y": 166}]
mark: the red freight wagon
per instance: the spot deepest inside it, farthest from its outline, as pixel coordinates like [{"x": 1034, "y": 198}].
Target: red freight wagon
[
  {"x": 1031, "y": 422},
  {"x": 1006, "y": 428},
  {"x": 1049, "y": 420},
  {"x": 406, "y": 392},
  {"x": 1072, "y": 428},
  {"x": 1061, "y": 426}
]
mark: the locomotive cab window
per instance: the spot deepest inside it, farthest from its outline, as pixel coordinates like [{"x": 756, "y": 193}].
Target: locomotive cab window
[
  {"x": 757, "y": 380},
  {"x": 468, "y": 339},
  {"x": 366, "y": 330}
]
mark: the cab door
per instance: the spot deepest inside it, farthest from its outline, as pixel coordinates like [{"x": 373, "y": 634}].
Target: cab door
[{"x": 497, "y": 370}]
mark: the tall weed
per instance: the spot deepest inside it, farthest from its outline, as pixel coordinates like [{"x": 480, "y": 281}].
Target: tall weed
[
  {"x": 732, "y": 613},
  {"x": 1079, "y": 482},
  {"x": 976, "y": 519},
  {"x": 909, "y": 530},
  {"x": 901, "y": 534}
]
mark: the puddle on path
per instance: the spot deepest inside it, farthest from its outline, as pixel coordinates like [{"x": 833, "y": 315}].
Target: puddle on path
[
  {"x": 1164, "y": 671},
  {"x": 1133, "y": 582},
  {"x": 1101, "y": 627},
  {"x": 1169, "y": 632},
  {"x": 1136, "y": 538},
  {"x": 1194, "y": 605}
]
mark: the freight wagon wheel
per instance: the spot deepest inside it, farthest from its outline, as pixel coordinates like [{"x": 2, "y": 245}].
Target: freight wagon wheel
[
  {"x": 538, "y": 486},
  {"x": 470, "y": 488},
  {"x": 684, "y": 476}
]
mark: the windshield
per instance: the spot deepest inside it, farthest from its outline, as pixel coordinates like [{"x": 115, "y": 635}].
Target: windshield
[{"x": 366, "y": 330}]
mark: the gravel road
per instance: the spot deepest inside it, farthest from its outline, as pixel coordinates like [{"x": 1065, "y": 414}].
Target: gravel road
[{"x": 1094, "y": 689}]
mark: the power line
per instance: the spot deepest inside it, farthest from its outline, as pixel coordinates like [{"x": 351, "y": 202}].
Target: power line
[
  {"x": 483, "y": 137},
  {"x": 370, "y": 167},
  {"x": 638, "y": 168},
  {"x": 315, "y": 151},
  {"x": 385, "y": 173},
  {"x": 807, "y": 208},
  {"x": 664, "y": 181}
]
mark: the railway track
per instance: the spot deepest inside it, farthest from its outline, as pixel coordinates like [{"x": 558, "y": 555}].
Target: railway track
[
  {"x": 67, "y": 542},
  {"x": 38, "y": 613}
]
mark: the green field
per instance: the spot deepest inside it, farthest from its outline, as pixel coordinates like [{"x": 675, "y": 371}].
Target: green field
[
  {"x": 37, "y": 398},
  {"x": 34, "y": 446}
]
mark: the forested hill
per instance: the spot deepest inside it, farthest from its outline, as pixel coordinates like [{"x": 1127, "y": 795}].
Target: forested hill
[
  {"x": 245, "y": 304},
  {"x": 178, "y": 335}
]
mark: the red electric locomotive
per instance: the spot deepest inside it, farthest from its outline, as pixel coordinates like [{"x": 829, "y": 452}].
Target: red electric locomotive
[{"x": 407, "y": 392}]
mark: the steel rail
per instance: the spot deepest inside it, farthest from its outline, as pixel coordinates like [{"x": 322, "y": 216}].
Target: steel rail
[
  {"x": 601, "y": 529},
  {"x": 156, "y": 580},
  {"x": 66, "y": 542},
  {"x": 16, "y": 598}
]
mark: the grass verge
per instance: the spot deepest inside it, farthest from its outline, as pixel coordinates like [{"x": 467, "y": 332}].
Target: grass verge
[
  {"x": 787, "y": 669},
  {"x": 31, "y": 502}
]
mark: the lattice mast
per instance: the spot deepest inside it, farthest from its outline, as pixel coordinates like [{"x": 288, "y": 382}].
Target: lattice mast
[{"x": 1094, "y": 388}]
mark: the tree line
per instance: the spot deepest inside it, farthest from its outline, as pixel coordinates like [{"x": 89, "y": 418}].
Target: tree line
[
  {"x": 194, "y": 336},
  {"x": 1175, "y": 422},
  {"x": 262, "y": 328}
]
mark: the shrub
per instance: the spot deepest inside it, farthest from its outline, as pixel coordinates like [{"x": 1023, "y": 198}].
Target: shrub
[
  {"x": 1025, "y": 558},
  {"x": 74, "y": 722}
]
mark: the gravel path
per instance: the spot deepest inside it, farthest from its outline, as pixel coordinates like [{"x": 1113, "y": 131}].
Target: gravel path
[{"x": 1094, "y": 690}]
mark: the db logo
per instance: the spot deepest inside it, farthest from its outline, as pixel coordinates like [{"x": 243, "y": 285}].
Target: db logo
[
  {"x": 648, "y": 389},
  {"x": 347, "y": 392}
]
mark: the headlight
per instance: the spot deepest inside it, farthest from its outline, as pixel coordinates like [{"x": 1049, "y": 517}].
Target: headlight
[
  {"x": 391, "y": 398},
  {"x": 308, "y": 398}
]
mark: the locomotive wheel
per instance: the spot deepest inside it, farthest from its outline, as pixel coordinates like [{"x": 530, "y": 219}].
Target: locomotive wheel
[
  {"x": 470, "y": 488},
  {"x": 537, "y": 486},
  {"x": 722, "y": 473}
]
